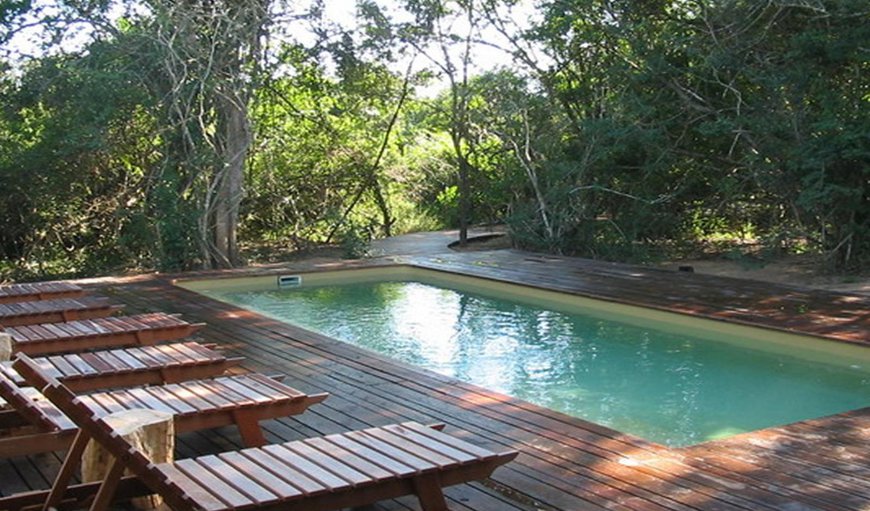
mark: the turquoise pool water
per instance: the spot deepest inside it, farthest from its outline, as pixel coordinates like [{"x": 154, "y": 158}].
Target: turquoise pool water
[{"x": 660, "y": 385}]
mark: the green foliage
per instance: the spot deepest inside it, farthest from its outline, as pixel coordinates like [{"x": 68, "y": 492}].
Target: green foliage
[
  {"x": 689, "y": 122},
  {"x": 355, "y": 242},
  {"x": 650, "y": 125},
  {"x": 74, "y": 147}
]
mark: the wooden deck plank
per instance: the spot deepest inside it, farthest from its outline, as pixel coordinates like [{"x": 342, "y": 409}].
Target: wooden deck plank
[{"x": 565, "y": 463}]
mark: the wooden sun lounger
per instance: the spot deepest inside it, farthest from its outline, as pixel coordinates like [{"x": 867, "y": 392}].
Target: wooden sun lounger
[
  {"x": 318, "y": 474},
  {"x": 241, "y": 400},
  {"x": 38, "y": 291},
  {"x": 146, "y": 365},
  {"x": 53, "y": 311},
  {"x": 88, "y": 334}
]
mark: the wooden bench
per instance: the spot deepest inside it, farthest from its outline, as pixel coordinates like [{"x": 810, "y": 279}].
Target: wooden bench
[
  {"x": 318, "y": 474},
  {"x": 55, "y": 310},
  {"x": 241, "y": 400},
  {"x": 38, "y": 291},
  {"x": 146, "y": 365},
  {"x": 99, "y": 333}
]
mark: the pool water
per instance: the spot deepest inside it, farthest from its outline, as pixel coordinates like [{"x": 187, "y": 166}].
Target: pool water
[{"x": 657, "y": 384}]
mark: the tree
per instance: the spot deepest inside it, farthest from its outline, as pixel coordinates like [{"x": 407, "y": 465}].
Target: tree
[
  {"x": 206, "y": 69},
  {"x": 445, "y": 32}
]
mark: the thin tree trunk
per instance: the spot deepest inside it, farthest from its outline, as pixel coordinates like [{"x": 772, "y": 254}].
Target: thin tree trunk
[{"x": 373, "y": 173}]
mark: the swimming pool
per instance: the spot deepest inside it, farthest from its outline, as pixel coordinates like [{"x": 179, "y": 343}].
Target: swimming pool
[{"x": 669, "y": 378}]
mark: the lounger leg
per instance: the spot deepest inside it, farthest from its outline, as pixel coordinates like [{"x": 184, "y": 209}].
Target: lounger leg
[
  {"x": 249, "y": 428},
  {"x": 428, "y": 490},
  {"x": 107, "y": 489},
  {"x": 67, "y": 470}
]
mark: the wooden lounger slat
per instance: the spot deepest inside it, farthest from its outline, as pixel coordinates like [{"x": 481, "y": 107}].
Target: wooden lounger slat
[
  {"x": 80, "y": 364},
  {"x": 106, "y": 332},
  {"x": 142, "y": 321},
  {"x": 178, "y": 406},
  {"x": 149, "y": 401},
  {"x": 197, "y": 349},
  {"x": 30, "y": 291},
  {"x": 96, "y": 362},
  {"x": 444, "y": 440},
  {"x": 8, "y": 372},
  {"x": 31, "y": 331},
  {"x": 49, "y": 368},
  {"x": 54, "y": 310},
  {"x": 204, "y": 498},
  {"x": 162, "y": 320},
  {"x": 305, "y": 483},
  {"x": 219, "y": 385},
  {"x": 52, "y": 414},
  {"x": 239, "y": 481},
  {"x": 107, "y": 402},
  {"x": 62, "y": 366},
  {"x": 404, "y": 457},
  {"x": 100, "y": 326},
  {"x": 191, "y": 411},
  {"x": 169, "y": 352},
  {"x": 372, "y": 463},
  {"x": 160, "y": 355},
  {"x": 74, "y": 328},
  {"x": 265, "y": 391},
  {"x": 444, "y": 444},
  {"x": 213, "y": 387},
  {"x": 152, "y": 320},
  {"x": 193, "y": 355},
  {"x": 272, "y": 385},
  {"x": 370, "y": 470},
  {"x": 49, "y": 330},
  {"x": 120, "y": 399},
  {"x": 129, "y": 360},
  {"x": 91, "y": 404},
  {"x": 248, "y": 391},
  {"x": 144, "y": 353},
  {"x": 180, "y": 392},
  {"x": 393, "y": 465},
  {"x": 260, "y": 474},
  {"x": 124, "y": 324},
  {"x": 404, "y": 444},
  {"x": 15, "y": 398},
  {"x": 112, "y": 361},
  {"x": 204, "y": 393},
  {"x": 337, "y": 466},
  {"x": 218, "y": 488},
  {"x": 280, "y": 458}
]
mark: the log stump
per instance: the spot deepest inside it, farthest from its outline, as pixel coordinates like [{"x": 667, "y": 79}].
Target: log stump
[
  {"x": 5, "y": 346},
  {"x": 150, "y": 431}
]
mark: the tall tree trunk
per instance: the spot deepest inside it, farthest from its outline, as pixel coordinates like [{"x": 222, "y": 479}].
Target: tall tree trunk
[
  {"x": 236, "y": 58},
  {"x": 236, "y": 142}
]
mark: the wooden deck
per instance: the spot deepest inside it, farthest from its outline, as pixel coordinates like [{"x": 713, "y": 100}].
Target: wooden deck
[{"x": 565, "y": 463}]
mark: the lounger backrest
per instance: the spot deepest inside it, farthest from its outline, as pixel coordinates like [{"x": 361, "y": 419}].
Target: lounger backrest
[
  {"x": 102, "y": 432},
  {"x": 25, "y": 406}
]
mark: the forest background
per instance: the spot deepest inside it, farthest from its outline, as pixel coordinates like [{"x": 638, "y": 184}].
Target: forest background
[{"x": 180, "y": 134}]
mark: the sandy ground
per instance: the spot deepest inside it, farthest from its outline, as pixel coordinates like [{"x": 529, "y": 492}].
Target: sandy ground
[{"x": 794, "y": 270}]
